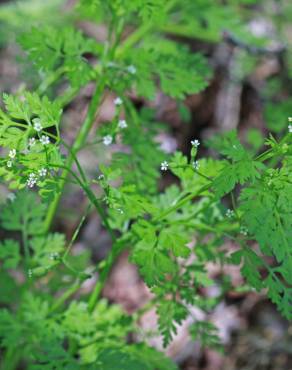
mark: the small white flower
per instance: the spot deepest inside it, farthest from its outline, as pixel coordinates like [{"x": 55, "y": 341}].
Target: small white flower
[
  {"x": 42, "y": 172},
  {"x": 132, "y": 69},
  {"x": 229, "y": 213},
  {"x": 9, "y": 164},
  {"x": 54, "y": 256},
  {"x": 195, "y": 143},
  {"x": 196, "y": 165},
  {"x": 290, "y": 129},
  {"x": 164, "y": 166},
  {"x": 31, "y": 141},
  {"x": 11, "y": 197},
  {"x": 37, "y": 124},
  {"x": 107, "y": 140},
  {"x": 12, "y": 153},
  {"x": 120, "y": 211},
  {"x": 122, "y": 124},
  {"x": 118, "y": 101},
  {"x": 290, "y": 119},
  {"x": 243, "y": 230},
  {"x": 101, "y": 177},
  {"x": 45, "y": 140}
]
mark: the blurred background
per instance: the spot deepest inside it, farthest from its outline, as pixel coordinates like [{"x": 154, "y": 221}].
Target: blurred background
[{"x": 249, "y": 48}]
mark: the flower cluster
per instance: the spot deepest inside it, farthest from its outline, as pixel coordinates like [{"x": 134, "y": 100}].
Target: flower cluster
[
  {"x": 33, "y": 178},
  {"x": 11, "y": 197},
  {"x": 30, "y": 273},
  {"x": 37, "y": 125},
  {"x": 122, "y": 124},
  {"x": 164, "y": 166},
  {"x": 11, "y": 155},
  {"x": 42, "y": 172},
  {"x": 44, "y": 139},
  {"x": 107, "y": 140},
  {"x": 54, "y": 256},
  {"x": 118, "y": 101},
  {"x": 290, "y": 126},
  {"x": 31, "y": 142},
  {"x": 132, "y": 69},
  {"x": 229, "y": 213},
  {"x": 243, "y": 230}
]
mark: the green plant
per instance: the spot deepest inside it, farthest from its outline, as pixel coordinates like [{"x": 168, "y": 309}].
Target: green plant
[{"x": 171, "y": 235}]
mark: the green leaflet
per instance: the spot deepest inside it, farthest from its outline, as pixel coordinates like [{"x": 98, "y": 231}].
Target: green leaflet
[
  {"x": 274, "y": 235},
  {"x": 52, "y": 48},
  {"x": 51, "y": 355},
  {"x": 178, "y": 71},
  {"x": 154, "y": 264},
  {"x": 24, "y": 211},
  {"x": 170, "y": 314},
  {"x": 172, "y": 239},
  {"x": 48, "y": 250},
  {"x": 146, "y": 10},
  {"x": 280, "y": 294},
  {"x": 10, "y": 330},
  {"x": 240, "y": 168},
  {"x": 232, "y": 174},
  {"x": 250, "y": 268},
  {"x": 9, "y": 254},
  {"x": 207, "y": 334},
  {"x": 138, "y": 357}
]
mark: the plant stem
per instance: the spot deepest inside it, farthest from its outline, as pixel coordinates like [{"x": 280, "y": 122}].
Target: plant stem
[
  {"x": 60, "y": 301},
  {"x": 107, "y": 264},
  {"x": 100, "y": 210},
  {"x": 25, "y": 242},
  {"x": 179, "y": 204},
  {"x": 79, "y": 141},
  {"x": 76, "y": 232},
  {"x": 52, "y": 78},
  {"x": 141, "y": 31},
  {"x": 11, "y": 359}
]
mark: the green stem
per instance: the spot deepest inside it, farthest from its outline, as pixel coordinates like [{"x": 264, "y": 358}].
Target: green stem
[
  {"x": 79, "y": 141},
  {"x": 11, "y": 359},
  {"x": 192, "y": 216},
  {"x": 179, "y": 204},
  {"x": 52, "y": 78},
  {"x": 76, "y": 232},
  {"x": 67, "y": 169},
  {"x": 107, "y": 264},
  {"x": 62, "y": 299},
  {"x": 140, "y": 32},
  {"x": 67, "y": 96},
  {"x": 100, "y": 210},
  {"x": 25, "y": 242}
]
